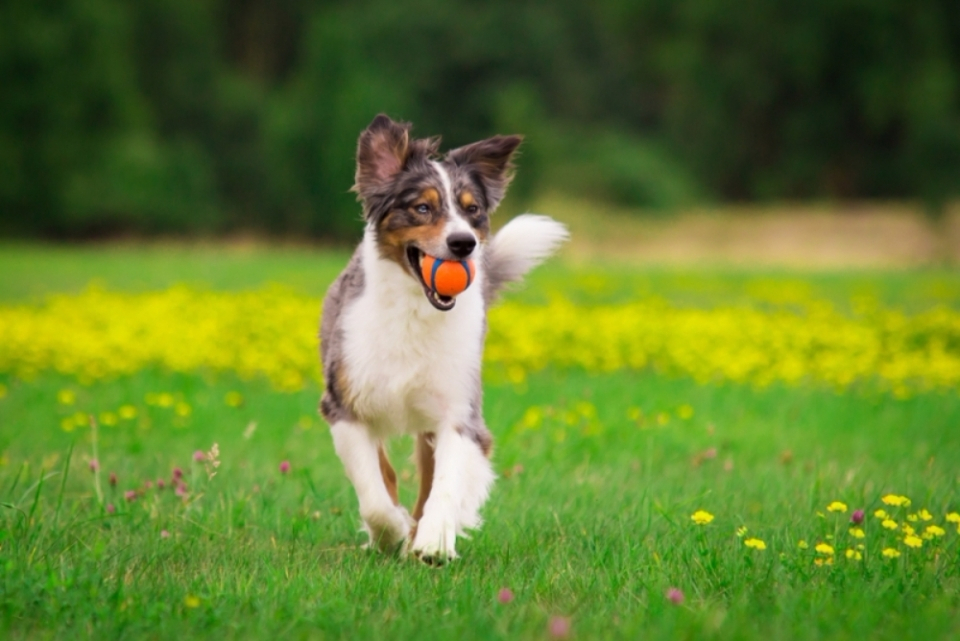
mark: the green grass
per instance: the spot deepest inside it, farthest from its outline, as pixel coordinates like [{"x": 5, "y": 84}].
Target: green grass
[{"x": 590, "y": 519}]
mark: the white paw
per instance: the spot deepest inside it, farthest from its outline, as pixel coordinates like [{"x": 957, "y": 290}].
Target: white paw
[
  {"x": 435, "y": 541},
  {"x": 388, "y": 528}
]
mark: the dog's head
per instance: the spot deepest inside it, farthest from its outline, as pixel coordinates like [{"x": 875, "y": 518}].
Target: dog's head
[{"x": 420, "y": 203}]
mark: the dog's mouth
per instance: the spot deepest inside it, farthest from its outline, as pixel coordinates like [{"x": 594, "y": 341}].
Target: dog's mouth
[{"x": 443, "y": 303}]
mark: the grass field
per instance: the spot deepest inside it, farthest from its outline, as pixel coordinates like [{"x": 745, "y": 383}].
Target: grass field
[{"x": 604, "y": 454}]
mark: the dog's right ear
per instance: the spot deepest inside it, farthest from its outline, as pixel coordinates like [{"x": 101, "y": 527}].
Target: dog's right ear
[{"x": 381, "y": 153}]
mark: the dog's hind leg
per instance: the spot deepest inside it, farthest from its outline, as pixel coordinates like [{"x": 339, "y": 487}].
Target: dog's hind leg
[
  {"x": 423, "y": 453},
  {"x": 389, "y": 475},
  {"x": 387, "y": 523}
]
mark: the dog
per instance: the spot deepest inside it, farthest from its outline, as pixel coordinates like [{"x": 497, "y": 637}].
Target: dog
[{"x": 400, "y": 359}]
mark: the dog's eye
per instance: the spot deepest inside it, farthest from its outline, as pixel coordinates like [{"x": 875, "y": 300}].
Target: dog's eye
[
  {"x": 422, "y": 209},
  {"x": 472, "y": 209}
]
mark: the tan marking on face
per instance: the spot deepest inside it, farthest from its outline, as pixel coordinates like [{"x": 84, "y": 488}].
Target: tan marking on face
[
  {"x": 393, "y": 243},
  {"x": 467, "y": 199},
  {"x": 429, "y": 196}
]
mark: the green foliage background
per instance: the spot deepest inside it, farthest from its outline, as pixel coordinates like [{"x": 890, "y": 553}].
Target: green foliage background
[{"x": 189, "y": 116}]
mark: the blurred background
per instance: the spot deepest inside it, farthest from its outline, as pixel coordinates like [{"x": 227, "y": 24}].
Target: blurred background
[{"x": 218, "y": 118}]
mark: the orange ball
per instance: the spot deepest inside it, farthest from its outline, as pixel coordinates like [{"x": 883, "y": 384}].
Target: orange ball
[{"x": 447, "y": 277}]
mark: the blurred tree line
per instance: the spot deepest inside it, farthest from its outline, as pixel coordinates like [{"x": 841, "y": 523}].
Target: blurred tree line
[{"x": 190, "y": 115}]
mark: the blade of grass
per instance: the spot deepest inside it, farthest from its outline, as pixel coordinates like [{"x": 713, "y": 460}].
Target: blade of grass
[{"x": 63, "y": 486}]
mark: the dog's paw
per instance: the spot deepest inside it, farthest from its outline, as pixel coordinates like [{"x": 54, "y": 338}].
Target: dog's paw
[
  {"x": 435, "y": 541},
  {"x": 388, "y": 529}
]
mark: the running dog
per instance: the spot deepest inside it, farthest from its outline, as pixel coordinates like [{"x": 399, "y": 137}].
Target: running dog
[{"x": 401, "y": 359}]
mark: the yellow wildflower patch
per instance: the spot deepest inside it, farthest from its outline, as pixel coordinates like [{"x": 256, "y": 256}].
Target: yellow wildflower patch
[
  {"x": 854, "y": 555},
  {"x": 881, "y": 514},
  {"x": 935, "y": 530},
  {"x": 896, "y": 500},
  {"x": 857, "y": 533},
  {"x": 891, "y": 553},
  {"x": 824, "y": 548},
  {"x": 701, "y": 517},
  {"x": 837, "y": 506},
  {"x": 925, "y": 515},
  {"x": 803, "y": 545},
  {"x": 271, "y": 333},
  {"x": 890, "y": 524},
  {"x": 953, "y": 517}
]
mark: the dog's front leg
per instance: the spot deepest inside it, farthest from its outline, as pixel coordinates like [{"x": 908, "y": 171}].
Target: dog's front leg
[
  {"x": 387, "y": 524},
  {"x": 462, "y": 477}
]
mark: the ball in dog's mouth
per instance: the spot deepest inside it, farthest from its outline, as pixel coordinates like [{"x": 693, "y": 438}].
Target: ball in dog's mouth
[{"x": 441, "y": 302}]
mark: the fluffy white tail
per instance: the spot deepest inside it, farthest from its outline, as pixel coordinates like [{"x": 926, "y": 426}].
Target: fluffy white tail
[{"x": 522, "y": 244}]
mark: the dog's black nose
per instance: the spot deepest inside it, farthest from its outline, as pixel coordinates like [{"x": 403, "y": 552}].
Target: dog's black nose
[{"x": 461, "y": 243}]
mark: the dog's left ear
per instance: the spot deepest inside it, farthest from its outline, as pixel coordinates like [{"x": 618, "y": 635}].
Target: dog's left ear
[
  {"x": 491, "y": 161},
  {"x": 381, "y": 153}
]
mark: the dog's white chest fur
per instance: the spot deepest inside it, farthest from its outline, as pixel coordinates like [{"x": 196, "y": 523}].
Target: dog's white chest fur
[{"x": 410, "y": 366}]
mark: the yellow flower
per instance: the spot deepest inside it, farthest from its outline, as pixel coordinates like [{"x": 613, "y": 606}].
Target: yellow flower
[
  {"x": 756, "y": 544},
  {"x": 953, "y": 517},
  {"x": 165, "y": 399},
  {"x": 925, "y": 515},
  {"x": 890, "y": 524},
  {"x": 66, "y": 397},
  {"x": 127, "y": 412},
  {"x": 191, "y": 601},
  {"x": 896, "y": 500},
  {"x": 826, "y": 561},
  {"x": 912, "y": 518},
  {"x": 935, "y": 530},
  {"x": 824, "y": 548},
  {"x": 907, "y": 530},
  {"x": 854, "y": 554},
  {"x": 701, "y": 517},
  {"x": 891, "y": 553},
  {"x": 881, "y": 514},
  {"x": 857, "y": 533},
  {"x": 802, "y": 544},
  {"x": 913, "y": 541},
  {"x": 837, "y": 506}
]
